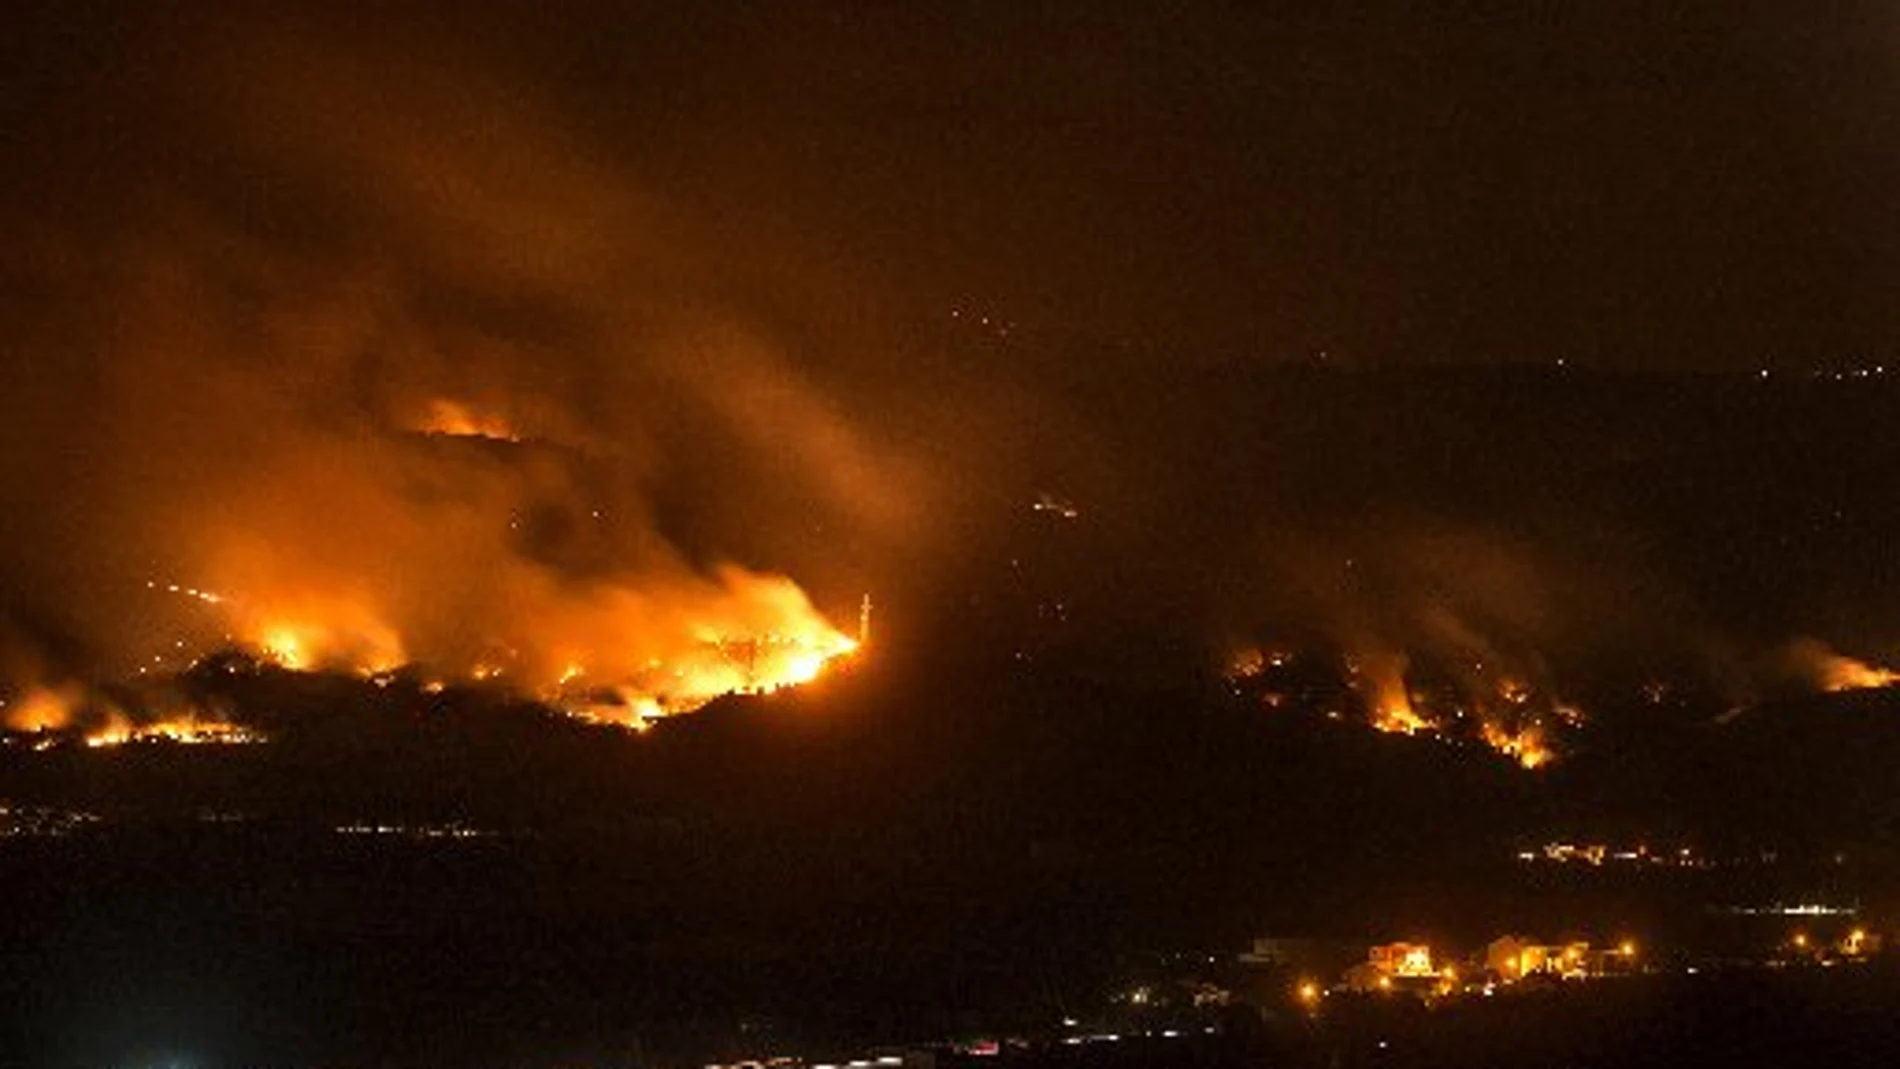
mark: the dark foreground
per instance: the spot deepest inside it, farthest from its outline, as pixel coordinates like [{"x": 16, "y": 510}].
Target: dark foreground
[
  {"x": 205, "y": 952},
  {"x": 1752, "y": 1017}
]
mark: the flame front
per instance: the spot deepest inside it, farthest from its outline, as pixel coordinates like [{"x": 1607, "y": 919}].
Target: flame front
[
  {"x": 615, "y": 654},
  {"x": 187, "y": 729},
  {"x": 1507, "y": 713},
  {"x": 312, "y": 633}
]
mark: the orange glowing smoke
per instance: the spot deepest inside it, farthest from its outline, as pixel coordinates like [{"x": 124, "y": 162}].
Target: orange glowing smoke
[
  {"x": 457, "y": 420},
  {"x": 1381, "y": 679},
  {"x": 1822, "y": 667},
  {"x": 43, "y": 709},
  {"x": 351, "y": 639},
  {"x": 1846, "y": 673}
]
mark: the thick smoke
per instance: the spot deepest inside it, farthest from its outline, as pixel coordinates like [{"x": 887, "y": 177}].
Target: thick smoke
[
  {"x": 373, "y": 358},
  {"x": 410, "y": 345}
]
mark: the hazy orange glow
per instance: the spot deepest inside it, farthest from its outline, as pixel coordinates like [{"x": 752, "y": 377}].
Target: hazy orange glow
[
  {"x": 1819, "y": 665},
  {"x": 1846, "y": 673},
  {"x": 334, "y": 635},
  {"x": 41, "y": 709},
  {"x": 457, "y": 420}
]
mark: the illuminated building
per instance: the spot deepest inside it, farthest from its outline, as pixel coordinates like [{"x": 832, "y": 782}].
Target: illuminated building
[
  {"x": 1514, "y": 957},
  {"x": 1405, "y": 967}
]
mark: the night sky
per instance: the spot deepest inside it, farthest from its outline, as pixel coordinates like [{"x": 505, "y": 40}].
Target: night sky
[{"x": 1627, "y": 184}]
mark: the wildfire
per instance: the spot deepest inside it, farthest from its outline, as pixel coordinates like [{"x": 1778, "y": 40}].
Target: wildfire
[
  {"x": 719, "y": 667},
  {"x": 1381, "y": 678},
  {"x": 1846, "y": 673},
  {"x": 72, "y": 714},
  {"x": 1415, "y": 961},
  {"x": 1507, "y": 713},
  {"x": 617, "y": 655},
  {"x": 185, "y": 730},
  {"x": 42, "y": 709},
  {"x": 1397, "y": 716},
  {"x": 1526, "y": 747},
  {"x": 326, "y": 633},
  {"x": 453, "y": 419},
  {"x": 1819, "y": 665}
]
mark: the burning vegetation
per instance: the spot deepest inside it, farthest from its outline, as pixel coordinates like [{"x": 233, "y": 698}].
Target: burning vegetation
[
  {"x": 1508, "y": 704},
  {"x": 1466, "y": 701},
  {"x": 1815, "y": 664},
  {"x": 759, "y": 635},
  {"x": 511, "y": 428}
]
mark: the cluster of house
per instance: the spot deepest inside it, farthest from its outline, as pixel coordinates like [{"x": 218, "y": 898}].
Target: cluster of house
[
  {"x": 1413, "y": 968},
  {"x": 1506, "y": 959}
]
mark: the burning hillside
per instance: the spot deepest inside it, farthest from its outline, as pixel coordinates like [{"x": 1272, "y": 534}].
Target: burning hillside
[
  {"x": 505, "y": 422},
  {"x": 747, "y": 634},
  {"x": 1815, "y": 664},
  {"x": 1480, "y": 699},
  {"x": 1464, "y": 700}
]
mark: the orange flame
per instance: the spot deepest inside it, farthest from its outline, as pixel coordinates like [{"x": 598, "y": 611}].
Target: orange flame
[
  {"x": 306, "y": 633},
  {"x": 660, "y": 652},
  {"x": 1382, "y": 681},
  {"x": 1511, "y": 714},
  {"x": 1845, "y": 673},
  {"x": 1822, "y": 667},
  {"x": 43, "y": 709},
  {"x": 185, "y": 730},
  {"x": 454, "y": 419},
  {"x": 1526, "y": 746}
]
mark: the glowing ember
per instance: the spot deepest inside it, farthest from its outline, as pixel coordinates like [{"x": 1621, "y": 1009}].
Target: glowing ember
[{"x": 1846, "y": 673}]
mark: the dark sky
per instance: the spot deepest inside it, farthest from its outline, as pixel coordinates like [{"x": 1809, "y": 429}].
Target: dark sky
[{"x": 1626, "y": 183}]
